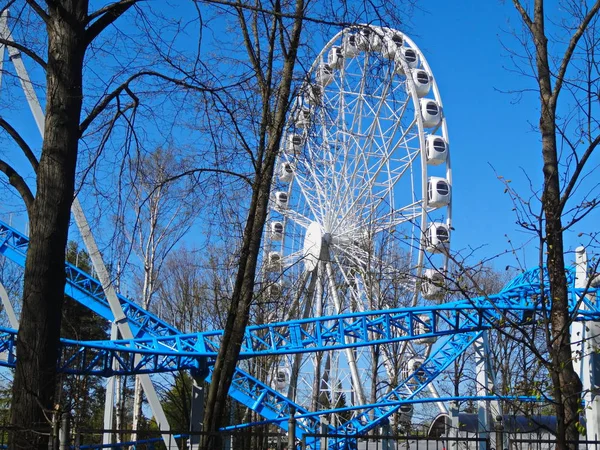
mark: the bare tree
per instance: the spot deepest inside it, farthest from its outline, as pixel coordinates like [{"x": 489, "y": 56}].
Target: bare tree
[
  {"x": 274, "y": 89},
  {"x": 80, "y": 104},
  {"x": 562, "y": 63},
  {"x": 162, "y": 203},
  {"x": 251, "y": 123}
]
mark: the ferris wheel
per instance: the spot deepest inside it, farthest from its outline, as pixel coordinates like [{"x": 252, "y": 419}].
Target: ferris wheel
[{"x": 360, "y": 214}]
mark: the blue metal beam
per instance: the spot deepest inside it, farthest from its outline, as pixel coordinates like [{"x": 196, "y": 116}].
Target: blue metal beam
[
  {"x": 163, "y": 348},
  {"x": 88, "y": 291},
  {"x": 177, "y": 352}
]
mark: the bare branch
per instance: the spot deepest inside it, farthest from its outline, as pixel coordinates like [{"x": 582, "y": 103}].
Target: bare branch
[
  {"x": 571, "y": 48},
  {"x": 524, "y": 15},
  {"x": 18, "y": 183},
  {"x": 578, "y": 169},
  {"x": 106, "y": 16},
  {"x": 254, "y": 57},
  {"x": 38, "y": 10},
  {"x": 21, "y": 143},
  {"x": 26, "y": 50}
]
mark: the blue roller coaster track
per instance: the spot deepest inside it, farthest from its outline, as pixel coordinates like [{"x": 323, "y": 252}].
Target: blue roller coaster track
[{"x": 163, "y": 348}]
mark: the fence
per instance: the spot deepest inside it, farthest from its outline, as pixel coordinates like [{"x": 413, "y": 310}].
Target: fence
[{"x": 264, "y": 438}]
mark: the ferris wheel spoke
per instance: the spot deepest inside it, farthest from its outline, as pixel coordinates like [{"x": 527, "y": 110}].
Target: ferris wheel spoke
[
  {"x": 357, "y": 233},
  {"x": 351, "y": 360},
  {"x": 296, "y": 217}
]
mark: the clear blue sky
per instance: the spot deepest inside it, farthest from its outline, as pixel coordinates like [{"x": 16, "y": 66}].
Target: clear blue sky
[{"x": 490, "y": 131}]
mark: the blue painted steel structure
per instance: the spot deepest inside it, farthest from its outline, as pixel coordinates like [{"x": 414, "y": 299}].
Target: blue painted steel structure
[
  {"x": 181, "y": 351},
  {"x": 163, "y": 348},
  {"x": 83, "y": 288}
]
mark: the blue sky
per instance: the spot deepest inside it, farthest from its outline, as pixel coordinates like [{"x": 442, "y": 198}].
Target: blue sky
[{"x": 490, "y": 130}]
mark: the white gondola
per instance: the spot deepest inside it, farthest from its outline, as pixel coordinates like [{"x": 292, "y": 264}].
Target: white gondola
[
  {"x": 438, "y": 238},
  {"x": 423, "y": 326},
  {"x": 335, "y": 57},
  {"x": 281, "y": 200},
  {"x": 369, "y": 40},
  {"x": 432, "y": 285},
  {"x": 413, "y": 365},
  {"x": 274, "y": 291},
  {"x": 409, "y": 56},
  {"x": 437, "y": 150},
  {"x": 430, "y": 112},
  {"x": 274, "y": 262},
  {"x": 312, "y": 94},
  {"x": 350, "y": 45},
  {"x": 282, "y": 378},
  {"x": 276, "y": 231},
  {"x": 438, "y": 192},
  {"x": 286, "y": 172},
  {"x": 302, "y": 116},
  {"x": 294, "y": 143},
  {"x": 392, "y": 43},
  {"x": 325, "y": 75},
  {"x": 422, "y": 82},
  {"x": 406, "y": 413}
]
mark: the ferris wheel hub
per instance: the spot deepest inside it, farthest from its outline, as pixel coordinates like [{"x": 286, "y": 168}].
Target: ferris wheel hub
[{"x": 313, "y": 246}]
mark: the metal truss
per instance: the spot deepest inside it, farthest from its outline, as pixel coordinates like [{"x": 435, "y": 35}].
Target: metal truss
[
  {"x": 83, "y": 288},
  {"x": 183, "y": 351},
  {"x": 162, "y": 348}
]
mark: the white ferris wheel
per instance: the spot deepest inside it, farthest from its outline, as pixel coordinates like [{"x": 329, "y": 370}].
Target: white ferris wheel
[{"x": 360, "y": 212}]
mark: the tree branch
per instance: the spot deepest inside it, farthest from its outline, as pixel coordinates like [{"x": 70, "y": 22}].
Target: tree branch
[
  {"x": 524, "y": 15},
  {"x": 37, "y": 58},
  {"x": 97, "y": 110},
  {"x": 105, "y": 16},
  {"x": 18, "y": 183},
  {"x": 252, "y": 55},
  {"x": 38, "y": 10},
  {"x": 578, "y": 169},
  {"x": 571, "y": 48},
  {"x": 21, "y": 143}
]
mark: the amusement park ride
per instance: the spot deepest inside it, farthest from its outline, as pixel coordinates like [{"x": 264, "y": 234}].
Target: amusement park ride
[{"x": 356, "y": 254}]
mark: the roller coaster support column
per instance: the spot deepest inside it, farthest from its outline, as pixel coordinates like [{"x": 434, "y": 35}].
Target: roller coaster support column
[
  {"x": 292, "y": 429},
  {"x": 120, "y": 319},
  {"x": 585, "y": 345},
  {"x": 109, "y": 399},
  {"x": 197, "y": 407},
  {"x": 388, "y": 443},
  {"x": 485, "y": 409},
  {"x": 454, "y": 426}
]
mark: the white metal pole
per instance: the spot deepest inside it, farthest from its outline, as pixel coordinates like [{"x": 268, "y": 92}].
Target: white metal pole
[
  {"x": 109, "y": 399},
  {"x": 483, "y": 423},
  {"x": 585, "y": 345}
]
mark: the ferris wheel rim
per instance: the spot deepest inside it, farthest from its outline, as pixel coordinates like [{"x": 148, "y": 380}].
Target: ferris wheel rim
[{"x": 306, "y": 221}]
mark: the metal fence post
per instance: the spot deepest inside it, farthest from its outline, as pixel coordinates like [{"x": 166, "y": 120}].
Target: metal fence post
[
  {"x": 64, "y": 433},
  {"x": 292, "y": 429},
  {"x": 324, "y": 430}
]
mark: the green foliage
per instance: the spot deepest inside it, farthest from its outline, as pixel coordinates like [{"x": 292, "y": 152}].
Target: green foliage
[
  {"x": 176, "y": 402},
  {"x": 82, "y": 396}
]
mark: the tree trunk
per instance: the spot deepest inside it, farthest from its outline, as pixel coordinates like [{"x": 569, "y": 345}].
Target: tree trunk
[
  {"x": 566, "y": 384},
  {"x": 269, "y": 137},
  {"x": 44, "y": 279},
  {"x": 237, "y": 318}
]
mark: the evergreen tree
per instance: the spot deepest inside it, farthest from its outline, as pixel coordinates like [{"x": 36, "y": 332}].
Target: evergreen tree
[{"x": 81, "y": 396}]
